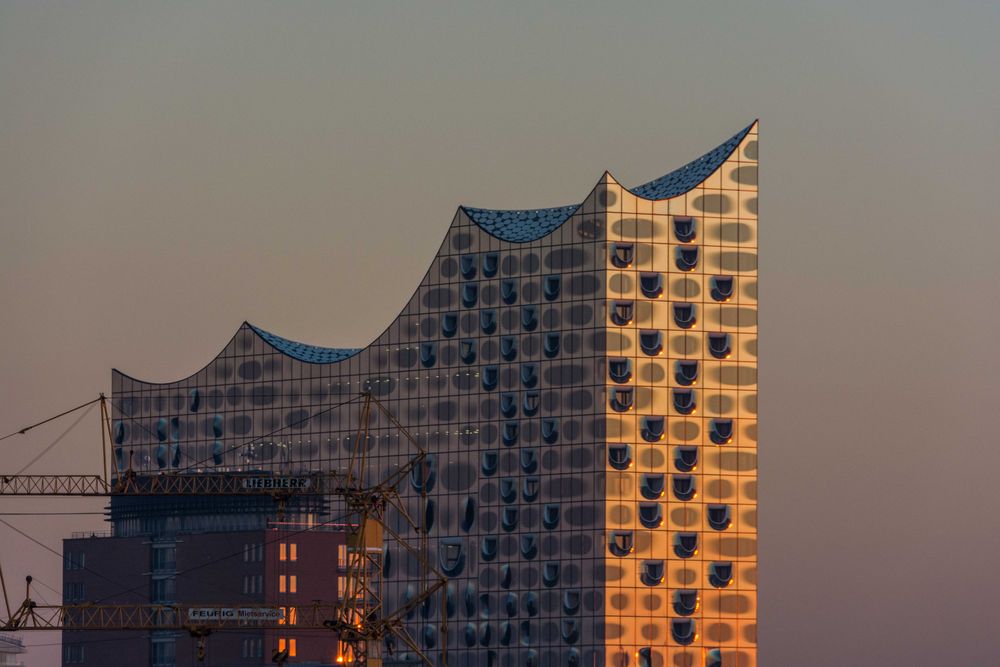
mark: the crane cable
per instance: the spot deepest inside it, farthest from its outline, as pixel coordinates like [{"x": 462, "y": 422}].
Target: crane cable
[
  {"x": 55, "y": 442},
  {"x": 46, "y": 421}
]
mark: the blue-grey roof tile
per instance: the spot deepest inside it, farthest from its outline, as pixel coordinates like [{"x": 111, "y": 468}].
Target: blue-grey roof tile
[
  {"x": 312, "y": 354},
  {"x": 521, "y": 226}
]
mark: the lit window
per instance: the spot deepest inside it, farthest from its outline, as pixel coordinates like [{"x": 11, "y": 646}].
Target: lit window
[
  {"x": 684, "y": 315},
  {"x": 684, "y": 228},
  {"x": 651, "y": 342},
  {"x": 508, "y": 348},
  {"x": 551, "y": 346},
  {"x": 722, "y": 288},
  {"x": 510, "y": 433},
  {"x": 684, "y": 487},
  {"x": 293, "y": 584},
  {"x": 651, "y": 485},
  {"x": 550, "y": 430},
  {"x": 508, "y": 490},
  {"x": 468, "y": 266},
  {"x": 621, "y": 312},
  {"x": 491, "y": 261},
  {"x": 428, "y": 354},
  {"x": 551, "y": 288},
  {"x": 282, "y": 552},
  {"x": 467, "y": 350},
  {"x": 529, "y": 318},
  {"x": 293, "y": 552},
  {"x": 621, "y": 399},
  {"x": 490, "y": 546},
  {"x": 508, "y": 519},
  {"x": 342, "y": 556},
  {"x": 491, "y": 460},
  {"x": 721, "y": 431},
  {"x": 531, "y": 403},
  {"x": 651, "y": 428},
  {"x": 684, "y": 401},
  {"x": 651, "y": 515},
  {"x": 529, "y": 375},
  {"x": 530, "y": 487},
  {"x": 529, "y": 546},
  {"x": 686, "y": 459},
  {"x": 529, "y": 460},
  {"x": 488, "y": 321},
  {"x": 622, "y": 255},
  {"x": 470, "y": 294},
  {"x": 682, "y": 630},
  {"x": 620, "y": 543},
  {"x": 282, "y": 584},
  {"x": 651, "y": 285},
  {"x": 686, "y": 372},
  {"x": 719, "y": 345},
  {"x": 468, "y": 513},
  {"x": 449, "y": 324},
  {"x": 686, "y": 544},
  {"x": 508, "y": 291},
  {"x": 720, "y": 574},
  {"x": 620, "y": 456},
  {"x": 686, "y": 257},
  {"x": 652, "y": 572},
  {"x": 491, "y": 376},
  {"x": 508, "y": 404},
  {"x": 550, "y": 516},
  {"x": 719, "y": 517},
  {"x": 620, "y": 369}
]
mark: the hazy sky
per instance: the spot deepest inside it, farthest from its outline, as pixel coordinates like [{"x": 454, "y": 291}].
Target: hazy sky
[{"x": 169, "y": 169}]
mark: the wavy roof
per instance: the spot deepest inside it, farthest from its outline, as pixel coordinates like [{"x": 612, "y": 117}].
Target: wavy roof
[
  {"x": 312, "y": 354},
  {"x": 520, "y": 226}
]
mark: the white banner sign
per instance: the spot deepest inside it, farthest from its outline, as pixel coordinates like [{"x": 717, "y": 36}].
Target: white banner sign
[
  {"x": 235, "y": 614},
  {"x": 276, "y": 483}
]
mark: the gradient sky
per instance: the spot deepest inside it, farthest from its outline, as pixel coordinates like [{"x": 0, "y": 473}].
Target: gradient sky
[{"x": 168, "y": 170}]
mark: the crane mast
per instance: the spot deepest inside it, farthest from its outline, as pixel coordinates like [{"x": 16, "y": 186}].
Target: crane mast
[{"x": 365, "y": 626}]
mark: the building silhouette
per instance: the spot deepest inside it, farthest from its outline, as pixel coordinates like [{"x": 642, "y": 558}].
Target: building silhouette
[{"x": 585, "y": 381}]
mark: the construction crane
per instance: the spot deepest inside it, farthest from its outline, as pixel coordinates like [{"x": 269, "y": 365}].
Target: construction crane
[{"x": 365, "y": 626}]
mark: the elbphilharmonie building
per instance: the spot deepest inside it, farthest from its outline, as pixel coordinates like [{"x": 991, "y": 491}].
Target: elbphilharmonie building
[{"x": 584, "y": 379}]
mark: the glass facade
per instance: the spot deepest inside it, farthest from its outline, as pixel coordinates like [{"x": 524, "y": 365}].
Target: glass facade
[{"x": 585, "y": 380}]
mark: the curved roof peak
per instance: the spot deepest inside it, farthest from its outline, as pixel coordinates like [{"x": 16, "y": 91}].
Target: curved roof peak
[
  {"x": 693, "y": 173},
  {"x": 312, "y": 354},
  {"x": 520, "y": 226}
]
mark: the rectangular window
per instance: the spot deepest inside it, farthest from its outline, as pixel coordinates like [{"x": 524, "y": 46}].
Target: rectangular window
[
  {"x": 73, "y": 591},
  {"x": 341, "y": 587},
  {"x": 74, "y": 560},
  {"x": 342, "y": 556},
  {"x": 164, "y": 653},
  {"x": 165, "y": 558},
  {"x": 293, "y": 584},
  {"x": 282, "y": 584},
  {"x": 293, "y": 552},
  {"x": 289, "y": 644},
  {"x": 282, "y": 551},
  {"x": 73, "y": 654},
  {"x": 163, "y": 590}
]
